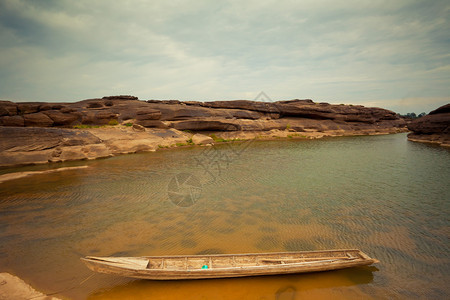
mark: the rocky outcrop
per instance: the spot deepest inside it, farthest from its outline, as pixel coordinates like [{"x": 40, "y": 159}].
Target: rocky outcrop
[
  {"x": 206, "y": 124},
  {"x": 199, "y": 116},
  {"x": 8, "y": 108},
  {"x": 201, "y": 139},
  {"x": 36, "y": 132},
  {"x": 432, "y": 128},
  {"x": 148, "y": 114},
  {"x": 35, "y": 145},
  {"x": 38, "y": 119},
  {"x": 12, "y": 121},
  {"x": 60, "y": 118}
]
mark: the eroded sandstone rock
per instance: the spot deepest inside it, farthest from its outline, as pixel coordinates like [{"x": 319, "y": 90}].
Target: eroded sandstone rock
[
  {"x": 12, "y": 121},
  {"x": 148, "y": 114},
  {"x": 8, "y": 108},
  {"x": 137, "y": 127},
  {"x": 201, "y": 139},
  {"x": 167, "y": 119},
  {"x": 28, "y": 107},
  {"x": 152, "y": 124},
  {"x": 432, "y": 128},
  {"x": 60, "y": 118},
  {"x": 35, "y": 145},
  {"x": 197, "y": 116},
  {"x": 37, "y": 119}
]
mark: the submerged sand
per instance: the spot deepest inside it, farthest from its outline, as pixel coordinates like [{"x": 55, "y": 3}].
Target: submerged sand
[{"x": 12, "y": 287}]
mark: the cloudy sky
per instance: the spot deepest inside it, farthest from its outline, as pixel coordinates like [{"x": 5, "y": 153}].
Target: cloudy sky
[{"x": 393, "y": 54}]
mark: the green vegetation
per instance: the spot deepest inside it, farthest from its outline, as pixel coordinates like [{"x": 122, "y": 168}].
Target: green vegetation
[
  {"x": 188, "y": 143},
  {"x": 288, "y": 126},
  {"x": 222, "y": 140},
  {"x": 84, "y": 126},
  {"x": 413, "y": 115},
  {"x": 113, "y": 122},
  {"x": 214, "y": 137},
  {"x": 295, "y": 134},
  {"x": 218, "y": 139}
]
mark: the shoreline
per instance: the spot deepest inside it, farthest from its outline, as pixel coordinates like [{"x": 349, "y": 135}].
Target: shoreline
[
  {"x": 38, "y": 133},
  {"x": 432, "y": 139},
  {"x": 18, "y": 175},
  {"x": 13, "y": 287},
  {"x": 40, "y": 146}
]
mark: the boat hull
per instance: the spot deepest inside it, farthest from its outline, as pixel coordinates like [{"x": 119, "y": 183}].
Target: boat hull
[{"x": 227, "y": 265}]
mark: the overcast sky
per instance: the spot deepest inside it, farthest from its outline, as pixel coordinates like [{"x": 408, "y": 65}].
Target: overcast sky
[{"x": 392, "y": 54}]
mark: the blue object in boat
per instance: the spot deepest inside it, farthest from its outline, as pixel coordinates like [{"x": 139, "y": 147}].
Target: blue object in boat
[{"x": 205, "y": 267}]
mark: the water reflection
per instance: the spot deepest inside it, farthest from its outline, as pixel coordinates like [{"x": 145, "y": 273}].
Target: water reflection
[{"x": 301, "y": 286}]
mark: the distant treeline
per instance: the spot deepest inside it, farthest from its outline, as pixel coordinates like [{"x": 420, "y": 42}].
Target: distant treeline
[{"x": 413, "y": 115}]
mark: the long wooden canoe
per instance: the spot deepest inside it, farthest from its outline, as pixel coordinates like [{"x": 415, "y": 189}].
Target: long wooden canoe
[{"x": 227, "y": 265}]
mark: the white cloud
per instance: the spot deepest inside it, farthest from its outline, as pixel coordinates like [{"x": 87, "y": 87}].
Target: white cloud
[{"x": 334, "y": 51}]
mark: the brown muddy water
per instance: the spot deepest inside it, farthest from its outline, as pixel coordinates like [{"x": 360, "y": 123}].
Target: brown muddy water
[{"x": 382, "y": 194}]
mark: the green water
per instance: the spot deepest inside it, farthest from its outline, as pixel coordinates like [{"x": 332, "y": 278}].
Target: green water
[{"x": 381, "y": 194}]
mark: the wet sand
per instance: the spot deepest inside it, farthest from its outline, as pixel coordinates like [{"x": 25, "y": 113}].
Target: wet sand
[{"x": 17, "y": 175}]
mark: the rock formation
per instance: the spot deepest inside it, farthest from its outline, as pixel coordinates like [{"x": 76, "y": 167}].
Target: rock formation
[
  {"x": 245, "y": 115},
  {"x": 34, "y": 145},
  {"x": 36, "y": 132},
  {"x": 200, "y": 139},
  {"x": 432, "y": 128}
]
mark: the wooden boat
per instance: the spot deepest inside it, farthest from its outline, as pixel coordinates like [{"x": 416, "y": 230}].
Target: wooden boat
[{"x": 227, "y": 265}]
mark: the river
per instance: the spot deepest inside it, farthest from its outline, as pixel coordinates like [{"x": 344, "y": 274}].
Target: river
[{"x": 381, "y": 194}]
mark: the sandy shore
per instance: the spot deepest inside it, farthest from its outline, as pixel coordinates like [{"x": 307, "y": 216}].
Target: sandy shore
[
  {"x": 12, "y": 287},
  {"x": 17, "y": 175}
]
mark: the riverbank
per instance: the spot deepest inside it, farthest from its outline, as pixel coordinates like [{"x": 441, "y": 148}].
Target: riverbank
[
  {"x": 38, "y": 132},
  {"x": 39, "y": 145},
  {"x": 17, "y": 175},
  {"x": 12, "y": 287}
]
